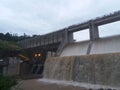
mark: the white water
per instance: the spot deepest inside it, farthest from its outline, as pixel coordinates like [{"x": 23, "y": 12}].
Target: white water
[
  {"x": 71, "y": 83},
  {"x": 87, "y": 70}
]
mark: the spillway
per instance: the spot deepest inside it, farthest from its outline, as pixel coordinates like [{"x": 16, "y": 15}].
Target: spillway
[
  {"x": 103, "y": 69},
  {"x": 104, "y": 45}
]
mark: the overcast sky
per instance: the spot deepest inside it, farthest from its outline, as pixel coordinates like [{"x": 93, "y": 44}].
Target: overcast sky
[{"x": 43, "y": 16}]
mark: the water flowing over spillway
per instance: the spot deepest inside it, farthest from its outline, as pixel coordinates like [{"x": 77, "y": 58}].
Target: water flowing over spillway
[
  {"x": 59, "y": 68},
  {"x": 101, "y": 69}
]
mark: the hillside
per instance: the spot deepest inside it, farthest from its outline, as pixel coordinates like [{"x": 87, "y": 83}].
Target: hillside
[
  {"x": 7, "y": 45},
  {"x": 8, "y": 49}
]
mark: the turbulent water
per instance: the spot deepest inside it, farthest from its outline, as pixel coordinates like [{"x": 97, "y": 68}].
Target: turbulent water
[
  {"x": 59, "y": 68},
  {"x": 96, "y": 69}
]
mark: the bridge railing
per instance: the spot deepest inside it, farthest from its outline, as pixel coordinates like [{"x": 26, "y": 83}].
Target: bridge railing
[{"x": 42, "y": 40}]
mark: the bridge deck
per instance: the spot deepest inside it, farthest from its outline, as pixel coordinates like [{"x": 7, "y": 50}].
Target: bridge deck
[{"x": 65, "y": 35}]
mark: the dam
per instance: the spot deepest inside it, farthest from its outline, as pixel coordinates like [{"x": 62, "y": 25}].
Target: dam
[{"x": 95, "y": 61}]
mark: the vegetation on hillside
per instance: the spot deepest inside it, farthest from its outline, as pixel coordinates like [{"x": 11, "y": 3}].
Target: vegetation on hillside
[
  {"x": 13, "y": 37},
  {"x": 8, "y": 41},
  {"x": 10, "y": 48},
  {"x": 8, "y": 45}
]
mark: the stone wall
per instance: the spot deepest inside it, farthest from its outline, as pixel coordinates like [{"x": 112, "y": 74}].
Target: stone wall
[{"x": 101, "y": 69}]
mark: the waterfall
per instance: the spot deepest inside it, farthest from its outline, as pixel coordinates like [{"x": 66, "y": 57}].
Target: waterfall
[
  {"x": 103, "y": 69},
  {"x": 59, "y": 68}
]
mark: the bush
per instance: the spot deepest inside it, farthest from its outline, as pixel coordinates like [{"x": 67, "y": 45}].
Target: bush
[{"x": 6, "y": 82}]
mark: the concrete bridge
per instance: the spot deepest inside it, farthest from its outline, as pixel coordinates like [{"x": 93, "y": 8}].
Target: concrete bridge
[
  {"x": 61, "y": 42},
  {"x": 56, "y": 41}
]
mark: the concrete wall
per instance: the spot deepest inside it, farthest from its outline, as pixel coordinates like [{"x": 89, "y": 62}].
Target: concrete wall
[
  {"x": 103, "y": 69},
  {"x": 16, "y": 67},
  {"x": 13, "y": 67},
  {"x": 75, "y": 49},
  {"x": 99, "y": 46},
  {"x": 25, "y": 68},
  {"x": 106, "y": 45}
]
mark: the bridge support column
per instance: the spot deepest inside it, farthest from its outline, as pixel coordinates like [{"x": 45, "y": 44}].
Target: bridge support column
[
  {"x": 68, "y": 37},
  {"x": 94, "y": 33}
]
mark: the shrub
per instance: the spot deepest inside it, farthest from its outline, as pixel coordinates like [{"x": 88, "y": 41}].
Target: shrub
[{"x": 6, "y": 82}]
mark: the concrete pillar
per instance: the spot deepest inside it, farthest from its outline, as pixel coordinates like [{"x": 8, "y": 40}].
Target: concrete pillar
[
  {"x": 94, "y": 33},
  {"x": 5, "y": 70},
  {"x": 49, "y": 54},
  {"x": 68, "y": 37}
]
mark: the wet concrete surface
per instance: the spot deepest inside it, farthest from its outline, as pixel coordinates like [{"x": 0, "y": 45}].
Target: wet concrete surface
[{"x": 34, "y": 84}]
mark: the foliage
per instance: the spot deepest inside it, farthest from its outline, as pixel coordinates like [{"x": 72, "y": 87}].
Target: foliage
[
  {"x": 8, "y": 43},
  {"x": 13, "y": 37},
  {"x": 5, "y": 45},
  {"x": 6, "y": 82}
]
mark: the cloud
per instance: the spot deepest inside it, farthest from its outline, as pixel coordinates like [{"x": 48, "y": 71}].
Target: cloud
[{"x": 43, "y": 16}]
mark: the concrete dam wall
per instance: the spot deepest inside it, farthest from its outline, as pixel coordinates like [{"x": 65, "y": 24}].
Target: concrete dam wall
[
  {"x": 103, "y": 69},
  {"x": 99, "y": 46}
]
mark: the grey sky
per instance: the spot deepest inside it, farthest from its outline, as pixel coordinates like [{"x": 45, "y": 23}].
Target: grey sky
[{"x": 43, "y": 16}]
